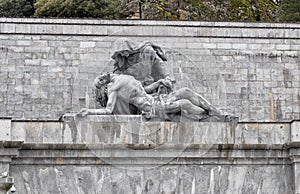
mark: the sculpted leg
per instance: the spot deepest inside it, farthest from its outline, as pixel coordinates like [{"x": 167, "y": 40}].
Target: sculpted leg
[
  {"x": 187, "y": 109},
  {"x": 198, "y": 100}
]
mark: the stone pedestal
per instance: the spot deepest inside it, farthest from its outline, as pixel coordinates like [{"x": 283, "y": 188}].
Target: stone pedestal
[{"x": 122, "y": 154}]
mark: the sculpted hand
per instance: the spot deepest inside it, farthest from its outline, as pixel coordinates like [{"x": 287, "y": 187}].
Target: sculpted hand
[
  {"x": 83, "y": 112},
  {"x": 166, "y": 82}
]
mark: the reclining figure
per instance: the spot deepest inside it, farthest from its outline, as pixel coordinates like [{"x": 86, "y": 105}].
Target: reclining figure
[{"x": 119, "y": 91}]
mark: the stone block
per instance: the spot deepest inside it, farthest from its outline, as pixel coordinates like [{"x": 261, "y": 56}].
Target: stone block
[
  {"x": 40, "y": 43},
  {"x": 18, "y": 131},
  {"x": 71, "y": 44},
  {"x": 4, "y": 37},
  {"x": 33, "y": 132},
  {"x": 295, "y": 47},
  {"x": 209, "y": 45},
  {"x": 8, "y": 68},
  {"x": 190, "y": 45},
  {"x": 246, "y": 134},
  {"x": 5, "y": 129},
  {"x": 52, "y": 132},
  {"x": 224, "y": 46},
  {"x": 71, "y": 56},
  {"x": 295, "y": 131},
  {"x": 47, "y": 62},
  {"x": 103, "y": 44},
  {"x": 7, "y": 28},
  {"x": 37, "y": 49},
  {"x": 87, "y": 44},
  {"x": 33, "y": 62},
  {"x": 240, "y": 46},
  {"x": 24, "y": 43},
  {"x": 210, "y": 133},
  {"x": 283, "y": 47}
]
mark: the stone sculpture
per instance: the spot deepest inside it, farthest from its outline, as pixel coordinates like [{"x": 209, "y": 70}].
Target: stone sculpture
[
  {"x": 120, "y": 91},
  {"x": 141, "y": 84},
  {"x": 145, "y": 62}
]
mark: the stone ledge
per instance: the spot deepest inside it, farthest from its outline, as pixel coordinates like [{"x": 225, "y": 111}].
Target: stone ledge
[
  {"x": 108, "y": 146},
  {"x": 148, "y": 28},
  {"x": 130, "y": 130},
  {"x": 81, "y": 154},
  {"x": 103, "y": 118},
  {"x": 10, "y": 144},
  {"x": 152, "y": 157},
  {"x": 54, "y": 21},
  {"x": 9, "y": 149},
  {"x": 150, "y": 162}
]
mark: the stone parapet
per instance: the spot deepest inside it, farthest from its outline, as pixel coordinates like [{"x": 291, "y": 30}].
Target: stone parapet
[
  {"x": 147, "y": 28},
  {"x": 133, "y": 130}
]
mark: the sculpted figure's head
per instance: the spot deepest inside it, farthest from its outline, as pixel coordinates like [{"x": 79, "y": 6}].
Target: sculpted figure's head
[
  {"x": 124, "y": 44},
  {"x": 102, "y": 80},
  {"x": 101, "y": 88}
]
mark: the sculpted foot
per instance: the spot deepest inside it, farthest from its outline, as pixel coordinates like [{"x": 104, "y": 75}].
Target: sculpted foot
[{"x": 231, "y": 118}]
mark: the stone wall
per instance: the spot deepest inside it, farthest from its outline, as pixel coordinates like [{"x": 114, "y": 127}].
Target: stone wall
[{"x": 249, "y": 69}]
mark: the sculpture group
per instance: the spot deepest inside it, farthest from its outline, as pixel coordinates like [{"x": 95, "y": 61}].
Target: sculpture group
[{"x": 141, "y": 84}]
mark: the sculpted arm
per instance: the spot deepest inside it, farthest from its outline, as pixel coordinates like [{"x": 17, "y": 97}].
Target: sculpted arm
[
  {"x": 152, "y": 86},
  {"x": 165, "y": 82},
  {"x": 112, "y": 99}
]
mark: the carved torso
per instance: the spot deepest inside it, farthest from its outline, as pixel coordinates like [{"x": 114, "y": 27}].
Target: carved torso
[{"x": 131, "y": 91}]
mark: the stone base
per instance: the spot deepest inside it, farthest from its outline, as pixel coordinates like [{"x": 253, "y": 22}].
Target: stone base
[{"x": 111, "y": 155}]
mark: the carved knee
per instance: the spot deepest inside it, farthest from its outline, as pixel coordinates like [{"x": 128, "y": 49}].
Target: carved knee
[
  {"x": 184, "y": 92},
  {"x": 186, "y": 104}
]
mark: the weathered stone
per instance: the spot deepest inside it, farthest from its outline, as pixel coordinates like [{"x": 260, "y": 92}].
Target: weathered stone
[
  {"x": 295, "y": 131},
  {"x": 5, "y": 129}
]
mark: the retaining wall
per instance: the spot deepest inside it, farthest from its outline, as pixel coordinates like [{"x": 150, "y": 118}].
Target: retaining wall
[{"x": 249, "y": 69}]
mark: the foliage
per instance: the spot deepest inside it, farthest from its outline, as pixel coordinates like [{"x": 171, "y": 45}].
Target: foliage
[
  {"x": 290, "y": 11},
  {"x": 78, "y": 8},
  {"x": 162, "y": 9},
  {"x": 16, "y": 8},
  {"x": 254, "y": 10},
  {"x": 216, "y": 10},
  {"x": 209, "y": 10}
]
